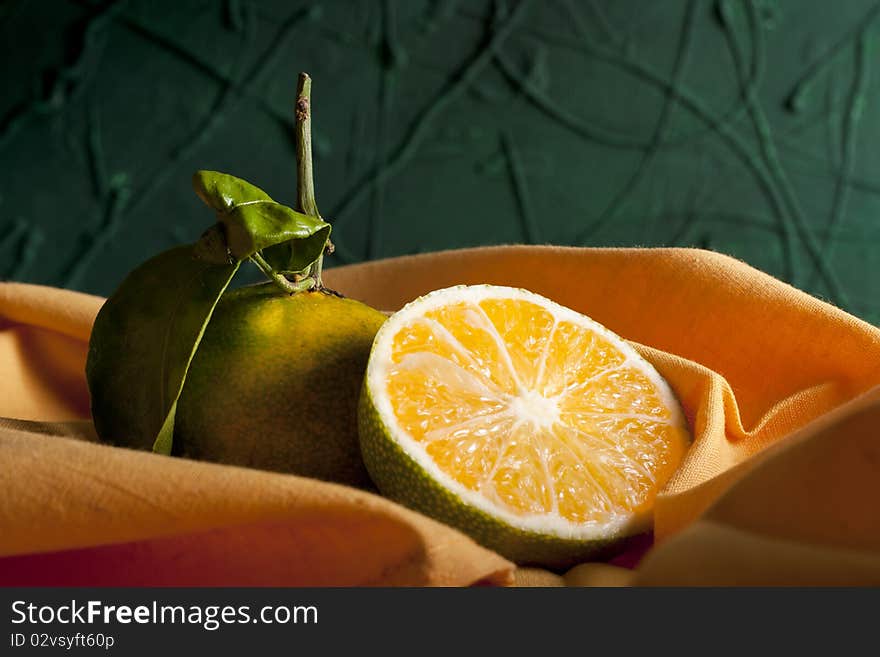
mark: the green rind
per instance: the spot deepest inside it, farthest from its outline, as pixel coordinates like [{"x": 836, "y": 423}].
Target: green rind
[
  {"x": 399, "y": 477},
  {"x": 275, "y": 384}
]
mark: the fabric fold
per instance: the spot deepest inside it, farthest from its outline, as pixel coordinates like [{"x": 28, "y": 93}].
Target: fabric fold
[
  {"x": 157, "y": 520},
  {"x": 761, "y": 369}
]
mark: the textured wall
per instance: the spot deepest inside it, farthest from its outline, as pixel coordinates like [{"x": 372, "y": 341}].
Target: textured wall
[{"x": 751, "y": 128}]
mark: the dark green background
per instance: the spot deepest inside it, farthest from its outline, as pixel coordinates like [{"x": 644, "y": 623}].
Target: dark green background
[{"x": 751, "y": 128}]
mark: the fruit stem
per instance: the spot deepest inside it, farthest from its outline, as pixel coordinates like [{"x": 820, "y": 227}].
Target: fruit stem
[
  {"x": 305, "y": 183},
  {"x": 280, "y": 280}
]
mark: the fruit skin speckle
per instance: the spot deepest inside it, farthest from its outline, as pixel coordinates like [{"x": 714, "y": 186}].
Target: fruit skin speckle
[
  {"x": 400, "y": 478},
  {"x": 275, "y": 383}
]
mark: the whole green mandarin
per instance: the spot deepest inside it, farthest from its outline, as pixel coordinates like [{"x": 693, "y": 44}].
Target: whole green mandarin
[{"x": 275, "y": 383}]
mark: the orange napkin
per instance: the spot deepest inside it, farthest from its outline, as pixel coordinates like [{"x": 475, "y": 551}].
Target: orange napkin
[{"x": 778, "y": 487}]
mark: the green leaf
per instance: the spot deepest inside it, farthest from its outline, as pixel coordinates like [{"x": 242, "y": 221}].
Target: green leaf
[
  {"x": 251, "y": 221},
  {"x": 223, "y": 192},
  {"x": 252, "y": 227},
  {"x": 143, "y": 342},
  {"x": 298, "y": 254}
]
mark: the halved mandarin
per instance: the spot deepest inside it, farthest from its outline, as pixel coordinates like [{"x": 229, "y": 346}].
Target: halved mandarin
[{"x": 529, "y": 426}]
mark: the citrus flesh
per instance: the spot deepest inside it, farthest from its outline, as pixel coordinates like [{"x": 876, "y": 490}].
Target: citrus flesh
[
  {"x": 274, "y": 384},
  {"x": 528, "y": 425}
]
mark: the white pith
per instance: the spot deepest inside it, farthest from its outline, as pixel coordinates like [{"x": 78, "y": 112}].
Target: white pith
[{"x": 526, "y": 406}]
